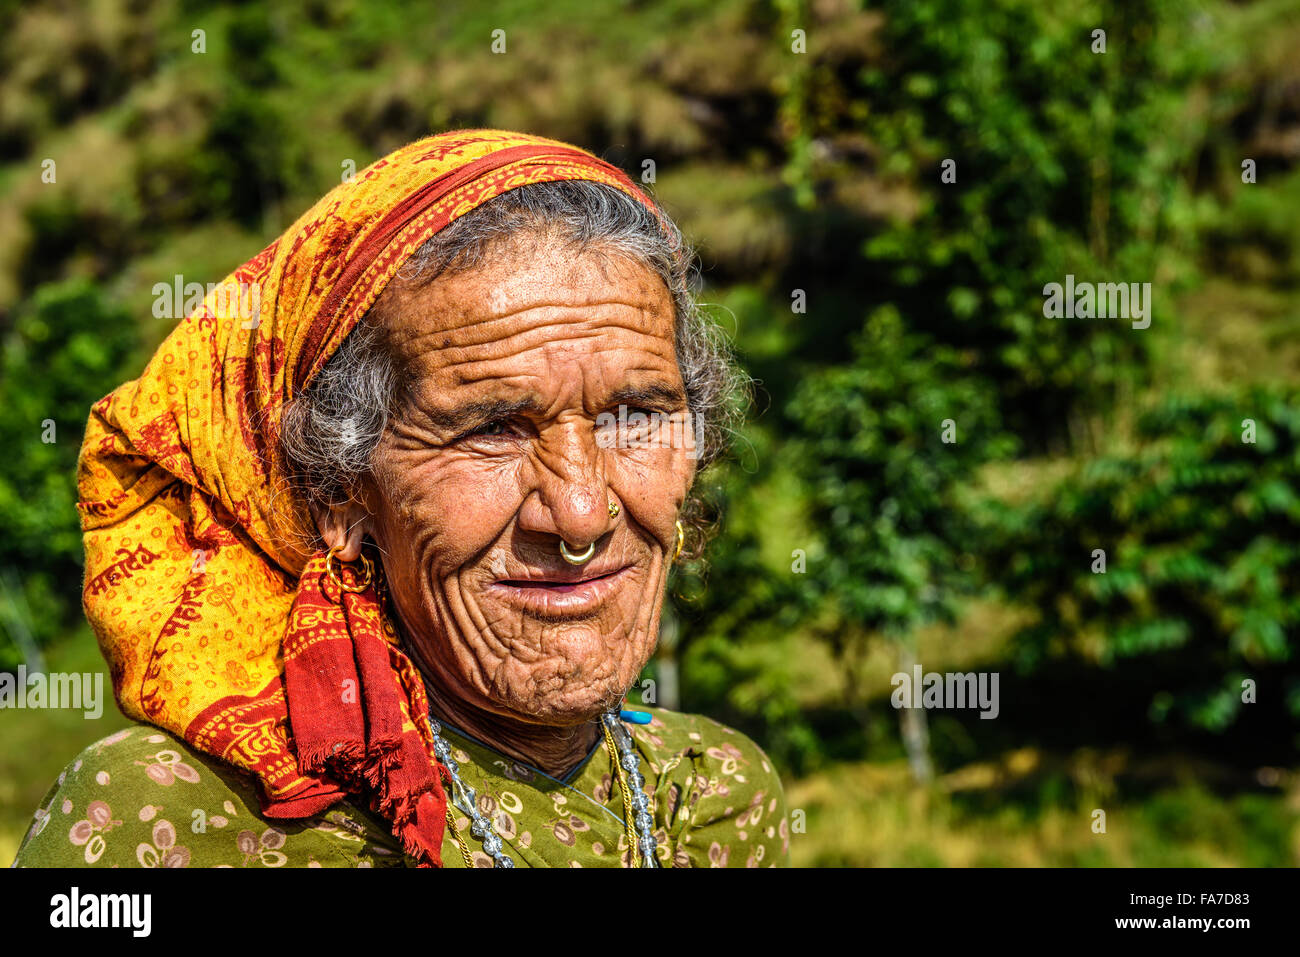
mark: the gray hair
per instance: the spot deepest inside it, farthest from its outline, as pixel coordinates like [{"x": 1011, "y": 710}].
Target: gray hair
[{"x": 330, "y": 431}]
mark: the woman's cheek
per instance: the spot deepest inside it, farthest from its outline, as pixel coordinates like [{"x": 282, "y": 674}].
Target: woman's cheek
[
  {"x": 653, "y": 483},
  {"x": 453, "y": 508}
]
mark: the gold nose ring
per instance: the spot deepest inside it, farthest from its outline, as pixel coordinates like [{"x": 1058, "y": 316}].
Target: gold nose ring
[
  {"x": 578, "y": 558},
  {"x": 613, "y": 509}
]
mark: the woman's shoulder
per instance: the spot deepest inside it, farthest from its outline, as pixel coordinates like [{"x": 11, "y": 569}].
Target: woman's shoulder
[
  {"x": 673, "y": 732},
  {"x": 724, "y": 803},
  {"x": 143, "y": 798}
]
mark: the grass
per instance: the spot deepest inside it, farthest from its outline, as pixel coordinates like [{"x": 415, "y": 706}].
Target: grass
[
  {"x": 1030, "y": 809},
  {"x": 1032, "y": 806}
]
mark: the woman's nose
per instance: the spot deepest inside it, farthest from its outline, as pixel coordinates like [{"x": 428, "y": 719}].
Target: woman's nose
[{"x": 572, "y": 494}]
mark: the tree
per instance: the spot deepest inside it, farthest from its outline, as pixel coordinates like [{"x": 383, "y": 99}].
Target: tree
[
  {"x": 66, "y": 350},
  {"x": 1200, "y": 529},
  {"x": 888, "y": 445}
]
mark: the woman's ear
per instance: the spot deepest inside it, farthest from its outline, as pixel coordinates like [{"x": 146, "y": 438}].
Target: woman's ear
[{"x": 343, "y": 527}]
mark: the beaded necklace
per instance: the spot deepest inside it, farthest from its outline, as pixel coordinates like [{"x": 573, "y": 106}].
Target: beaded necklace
[{"x": 627, "y": 769}]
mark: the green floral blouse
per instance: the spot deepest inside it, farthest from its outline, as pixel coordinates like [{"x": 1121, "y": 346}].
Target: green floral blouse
[{"x": 142, "y": 798}]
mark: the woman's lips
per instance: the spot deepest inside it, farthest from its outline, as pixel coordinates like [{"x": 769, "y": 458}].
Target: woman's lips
[{"x": 566, "y": 596}]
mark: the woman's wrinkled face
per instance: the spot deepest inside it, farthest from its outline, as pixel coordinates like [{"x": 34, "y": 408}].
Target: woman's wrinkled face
[{"x": 500, "y": 455}]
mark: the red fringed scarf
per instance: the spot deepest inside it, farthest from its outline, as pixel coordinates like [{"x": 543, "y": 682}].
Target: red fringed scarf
[{"x": 357, "y": 707}]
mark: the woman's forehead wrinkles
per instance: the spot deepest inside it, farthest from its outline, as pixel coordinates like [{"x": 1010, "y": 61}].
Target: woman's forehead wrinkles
[
  {"x": 480, "y": 383},
  {"x": 543, "y": 343},
  {"x": 518, "y": 283},
  {"x": 469, "y": 328},
  {"x": 552, "y": 361}
]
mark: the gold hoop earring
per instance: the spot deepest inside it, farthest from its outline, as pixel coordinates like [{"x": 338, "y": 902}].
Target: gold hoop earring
[
  {"x": 681, "y": 540},
  {"x": 366, "y": 563}
]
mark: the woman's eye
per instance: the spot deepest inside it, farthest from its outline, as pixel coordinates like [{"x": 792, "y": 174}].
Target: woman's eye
[
  {"x": 640, "y": 419},
  {"x": 489, "y": 430},
  {"x": 624, "y": 416}
]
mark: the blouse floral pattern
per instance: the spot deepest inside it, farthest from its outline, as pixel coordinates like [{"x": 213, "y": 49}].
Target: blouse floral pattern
[{"x": 143, "y": 798}]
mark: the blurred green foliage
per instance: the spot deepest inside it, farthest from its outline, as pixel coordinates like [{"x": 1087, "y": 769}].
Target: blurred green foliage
[
  {"x": 887, "y": 444},
  {"x": 66, "y": 345},
  {"x": 1109, "y": 166},
  {"x": 1066, "y": 161},
  {"x": 1187, "y": 550}
]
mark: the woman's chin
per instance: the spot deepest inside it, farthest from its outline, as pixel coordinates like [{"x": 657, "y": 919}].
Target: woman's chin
[{"x": 568, "y": 707}]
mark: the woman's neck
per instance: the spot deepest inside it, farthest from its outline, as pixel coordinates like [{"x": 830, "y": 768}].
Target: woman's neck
[
  {"x": 557, "y": 751},
  {"x": 554, "y": 750}
]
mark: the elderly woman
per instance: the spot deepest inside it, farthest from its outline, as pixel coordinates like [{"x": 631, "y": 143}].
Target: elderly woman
[{"x": 375, "y": 566}]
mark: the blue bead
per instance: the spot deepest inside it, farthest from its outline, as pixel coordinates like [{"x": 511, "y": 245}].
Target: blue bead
[{"x": 636, "y": 717}]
